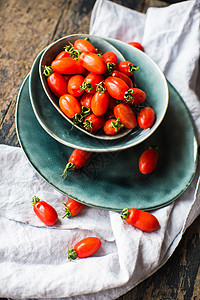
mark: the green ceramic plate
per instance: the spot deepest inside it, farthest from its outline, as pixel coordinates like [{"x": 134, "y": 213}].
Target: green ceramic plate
[{"x": 112, "y": 180}]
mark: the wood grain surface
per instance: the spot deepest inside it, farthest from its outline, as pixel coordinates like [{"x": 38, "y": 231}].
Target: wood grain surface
[{"x": 26, "y": 27}]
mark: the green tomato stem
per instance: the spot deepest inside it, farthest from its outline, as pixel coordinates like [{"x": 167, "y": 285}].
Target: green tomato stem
[
  {"x": 124, "y": 214},
  {"x": 47, "y": 71},
  {"x": 72, "y": 255},
  {"x": 69, "y": 167}
]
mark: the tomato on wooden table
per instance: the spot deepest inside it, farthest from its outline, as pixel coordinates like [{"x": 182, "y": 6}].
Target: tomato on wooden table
[
  {"x": 127, "y": 67},
  {"x": 44, "y": 211},
  {"x": 112, "y": 126},
  {"x": 56, "y": 82},
  {"x": 72, "y": 208},
  {"x": 136, "y": 45},
  {"x": 93, "y": 123},
  {"x": 84, "y": 46},
  {"x": 127, "y": 79},
  {"x": 126, "y": 115},
  {"x": 93, "y": 63},
  {"x": 77, "y": 160},
  {"x": 67, "y": 66},
  {"x": 142, "y": 220},
  {"x": 146, "y": 117},
  {"x": 75, "y": 84},
  {"x": 134, "y": 96},
  {"x": 69, "y": 105},
  {"x": 116, "y": 87},
  {"x": 85, "y": 248},
  {"x": 91, "y": 81},
  {"x": 148, "y": 160}
]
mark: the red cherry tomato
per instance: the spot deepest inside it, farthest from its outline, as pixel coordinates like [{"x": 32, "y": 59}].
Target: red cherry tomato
[
  {"x": 93, "y": 123},
  {"x": 69, "y": 105},
  {"x": 123, "y": 76},
  {"x": 72, "y": 208},
  {"x": 134, "y": 96},
  {"x": 93, "y": 63},
  {"x": 136, "y": 45},
  {"x": 44, "y": 211},
  {"x": 85, "y": 248},
  {"x": 110, "y": 57},
  {"x": 126, "y": 115},
  {"x": 140, "y": 219},
  {"x": 100, "y": 103},
  {"x": 75, "y": 84},
  {"x": 112, "y": 126},
  {"x": 67, "y": 66},
  {"x": 148, "y": 161},
  {"x": 146, "y": 117},
  {"x": 84, "y": 46},
  {"x": 127, "y": 67},
  {"x": 116, "y": 87},
  {"x": 56, "y": 82},
  {"x": 62, "y": 54},
  {"x": 77, "y": 160},
  {"x": 91, "y": 81},
  {"x": 86, "y": 100}
]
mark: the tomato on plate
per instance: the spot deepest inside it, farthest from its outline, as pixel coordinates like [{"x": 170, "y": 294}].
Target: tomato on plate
[
  {"x": 77, "y": 160},
  {"x": 86, "y": 100},
  {"x": 146, "y": 117},
  {"x": 126, "y": 115},
  {"x": 44, "y": 211},
  {"x": 112, "y": 126},
  {"x": 93, "y": 123},
  {"x": 93, "y": 63},
  {"x": 75, "y": 84},
  {"x": 127, "y": 79},
  {"x": 116, "y": 87},
  {"x": 142, "y": 220},
  {"x": 99, "y": 103},
  {"x": 62, "y": 54},
  {"x": 110, "y": 57},
  {"x": 137, "y": 45},
  {"x": 134, "y": 96},
  {"x": 127, "y": 67},
  {"x": 91, "y": 81},
  {"x": 67, "y": 66},
  {"x": 56, "y": 82},
  {"x": 148, "y": 160},
  {"x": 85, "y": 248},
  {"x": 69, "y": 105},
  {"x": 84, "y": 46},
  {"x": 72, "y": 208}
]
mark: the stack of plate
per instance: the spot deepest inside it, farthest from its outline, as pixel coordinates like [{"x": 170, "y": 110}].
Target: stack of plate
[{"x": 111, "y": 179}]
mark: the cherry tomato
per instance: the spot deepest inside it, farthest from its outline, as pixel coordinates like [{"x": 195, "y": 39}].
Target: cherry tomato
[
  {"x": 56, "y": 82},
  {"x": 140, "y": 219},
  {"x": 123, "y": 76},
  {"x": 72, "y": 208},
  {"x": 67, "y": 66},
  {"x": 110, "y": 57},
  {"x": 146, "y": 117},
  {"x": 69, "y": 105},
  {"x": 86, "y": 100},
  {"x": 62, "y": 54},
  {"x": 75, "y": 84},
  {"x": 91, "y": 81},
  {"x": 85, "y": 248},
  {"x": 93, "y": 63},
  {"x": 99, "y": 103},
  {"x": 134, "y": 96},
  {"x": 44, "y": 211},
  {"x": 112, "y": 126},
  {"x": 84, "y": 46},
  {"x": 136, "y": 45},
  {"x": 126, "y": 115},
  {"x": 77, "y": 160},
  {"x": 93, "y": 123},
  {"x": 127, "y": 67},
  {"x": 148, "y": 161},
  {"x": 116, "y": 87}
]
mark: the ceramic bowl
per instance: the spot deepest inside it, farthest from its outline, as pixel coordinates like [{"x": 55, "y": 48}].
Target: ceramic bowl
[{"x": 49, "y": 55}]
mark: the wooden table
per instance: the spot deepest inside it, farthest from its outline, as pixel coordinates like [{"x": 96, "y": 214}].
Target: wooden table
[{"x": 26, "y": 28}]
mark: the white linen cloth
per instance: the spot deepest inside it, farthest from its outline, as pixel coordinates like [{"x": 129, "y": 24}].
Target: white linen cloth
[{"x": 33, "y": 260}]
